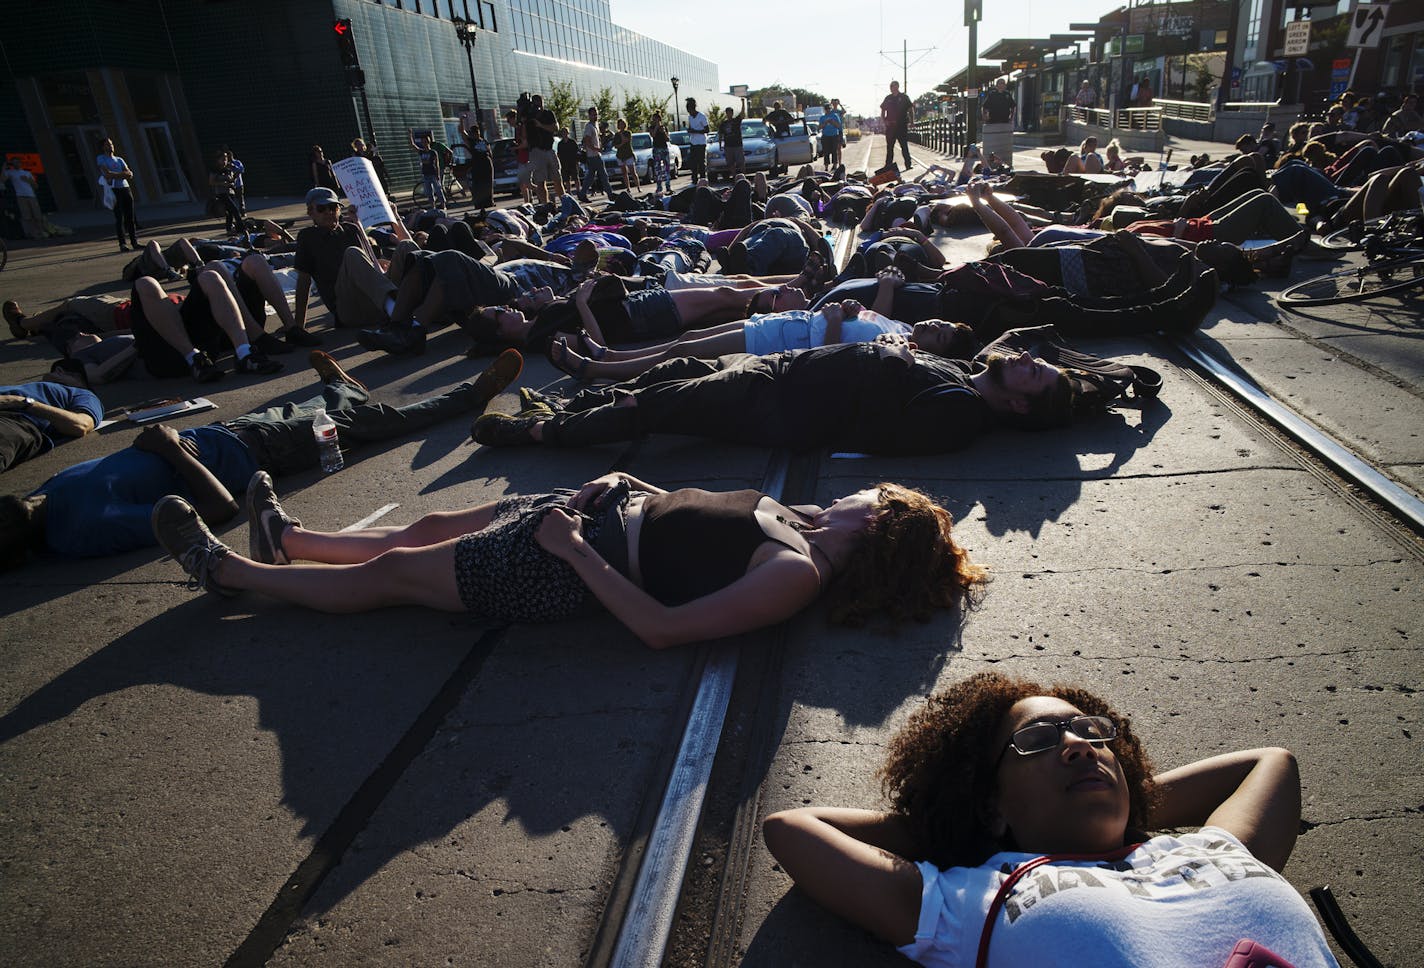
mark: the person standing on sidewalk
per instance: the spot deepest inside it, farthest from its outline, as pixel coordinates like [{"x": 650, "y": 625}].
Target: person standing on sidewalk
[
  {"x": 596, "y": 178},
  {"x": 697, "y": 128},
  {"x": 239, "y": 187},
  {"x": 31, "y": 218},
  {"x": 115, "y": 172},
  {"x": 896, "y": 111},
  {"x": 997, "y": 113}
]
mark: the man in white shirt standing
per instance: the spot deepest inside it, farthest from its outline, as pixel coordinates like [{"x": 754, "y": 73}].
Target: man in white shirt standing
[
  {"x": 697, "y": 140},
  {"x": 596, "y": 178}
]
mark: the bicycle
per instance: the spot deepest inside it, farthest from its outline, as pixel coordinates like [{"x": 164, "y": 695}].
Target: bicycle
[
  {"x": 1394, "y": 254},
  {"x": 454, "y": 188}
]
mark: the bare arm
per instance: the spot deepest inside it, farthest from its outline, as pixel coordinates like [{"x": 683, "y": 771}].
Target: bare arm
[
  {"x": 586, "y": 317},
  {"x": 1252, "y": 794},
  {"x": 770, "y": 593},
  {"x": 66, "y": 423},
  {"x": 890, "y": 280},
  {"x": 853, "y": 863},
  {"x": 213, "y": 502}
]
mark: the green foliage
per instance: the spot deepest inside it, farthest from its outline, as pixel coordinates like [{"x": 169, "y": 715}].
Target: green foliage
[
  {"x": 564, "y": 104},
  {"x": 635, "y": 112},
  {"x": 662, "y": 106},
  {"x": 603, "y": 100}
]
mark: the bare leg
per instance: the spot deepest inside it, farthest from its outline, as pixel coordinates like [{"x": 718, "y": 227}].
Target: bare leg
[
  {"x": 185, "y": 250},
  {"x": 703, "y": 347},
  {"x": 403, "y": 576},
  {"x": 228, "y": 313},
  {"x": 611, "y": 355},
  {"x": 251, "y": 328},
  {"x": 163, "y": 316},
  {"x": 355, "y": 547},
  {"x": 256, "y": 268}
]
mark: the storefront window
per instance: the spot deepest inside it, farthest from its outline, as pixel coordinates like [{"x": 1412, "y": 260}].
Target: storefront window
[{"x": 69, "y": 100}]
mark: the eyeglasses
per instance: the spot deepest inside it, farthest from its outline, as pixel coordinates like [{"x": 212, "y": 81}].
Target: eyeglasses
[{"x": 1042, "y": 736}]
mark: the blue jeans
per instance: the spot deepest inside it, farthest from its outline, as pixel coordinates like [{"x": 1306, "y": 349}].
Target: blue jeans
[
  {"x": 1298, "y": 182},
  {"x": 595, "y": 178},
  {"x": 434, "y": 190}
]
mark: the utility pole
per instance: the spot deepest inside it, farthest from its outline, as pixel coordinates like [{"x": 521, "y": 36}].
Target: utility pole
[
  {"x": 905, "y": 53},
  {"x": 973, "y": 11}
]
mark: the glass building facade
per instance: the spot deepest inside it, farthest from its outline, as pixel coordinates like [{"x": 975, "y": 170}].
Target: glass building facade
[{"x": 172, "y": 81}]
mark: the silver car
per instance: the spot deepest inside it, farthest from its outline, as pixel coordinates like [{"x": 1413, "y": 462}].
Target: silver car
[
  {"x": 757, "y": 145},
  {"x": 643, "y": 158},
  {"x": 797, "y": 148}
]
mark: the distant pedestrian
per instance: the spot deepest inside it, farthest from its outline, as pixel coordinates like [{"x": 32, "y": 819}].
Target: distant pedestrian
[
  {"x": 729, "y": 134},
  {"x": 115, "y": 172},
  {"x": 627, "y": 160},
  {"x": 833, "y": 134},
  {"x": 540, "y": 126},
  {"x": 997, "y": 113},
  {"x": 360, "y": 148},
  {"x": 1087, "y": 97},
  {"x": 661, "y": 160},
  {"x": 32, "y": 220},
  {"x": 321, "y": 173},
  {"x": 239, "y": 186},
  {"x": 595, "y": 178},
  {"x": 220, "y": 182},
  {"x": 568, "y": 152},
  {"x": 521, "y": 154},
  {"x": 697, "y": 128},
  {"x": 897, "y": 111},
  {"x": 1144, "y": 93},
  {"x": 431, "y": 168}
]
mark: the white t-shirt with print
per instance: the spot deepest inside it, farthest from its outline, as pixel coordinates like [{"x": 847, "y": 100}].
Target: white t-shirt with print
[
  {"x": 697, "y": 120},
  {"x": 1175, "y": 902}
]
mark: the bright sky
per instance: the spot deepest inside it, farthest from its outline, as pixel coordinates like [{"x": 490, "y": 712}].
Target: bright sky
[{"x": 836, "y": 47}]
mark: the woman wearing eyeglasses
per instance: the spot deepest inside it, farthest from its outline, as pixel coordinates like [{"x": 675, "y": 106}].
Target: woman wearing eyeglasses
[{"x": 995, "y": 773}]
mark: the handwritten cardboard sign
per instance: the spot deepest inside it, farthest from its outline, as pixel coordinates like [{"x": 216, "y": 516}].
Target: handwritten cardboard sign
[{"x": 363, "y": 189}]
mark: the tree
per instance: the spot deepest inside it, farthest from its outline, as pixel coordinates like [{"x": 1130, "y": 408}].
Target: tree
[
  {"x": 603, "y": 100},
  {"x": 635, "y": 111},
  {"x": 564, "y": 104},
  {"x": 661, "y": 106}
]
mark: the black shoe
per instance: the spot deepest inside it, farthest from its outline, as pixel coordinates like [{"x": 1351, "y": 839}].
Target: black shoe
[
  {"x": 270, "y": 345},
  {"x": 397, "y": 342},
  {"x": 204, "y": 369},
  {"x": 266, "y": 522},
  {"x": 296, "y": 336},
  {"x": 183, "y": 535},
  {"x": 124, "y": 248},
  {"x": 256, "y": 362},
  {"x": 13, "y": 317}
]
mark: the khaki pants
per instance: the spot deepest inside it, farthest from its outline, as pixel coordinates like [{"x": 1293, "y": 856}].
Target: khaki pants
[
  {"x": 31, "y": 218},
  {"x": 361, "y": 291}
]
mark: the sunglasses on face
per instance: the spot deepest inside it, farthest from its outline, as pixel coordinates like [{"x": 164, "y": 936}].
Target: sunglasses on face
[{"x": 1042, "y": 736}]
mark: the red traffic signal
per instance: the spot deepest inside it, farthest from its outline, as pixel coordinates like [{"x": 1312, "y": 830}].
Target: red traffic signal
[{"x": 346, "y": 42}]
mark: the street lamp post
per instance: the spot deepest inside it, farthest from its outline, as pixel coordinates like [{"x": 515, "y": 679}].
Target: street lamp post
[
  {"x": 467, "y": 31},
  {"x": 676, "y": 110}
]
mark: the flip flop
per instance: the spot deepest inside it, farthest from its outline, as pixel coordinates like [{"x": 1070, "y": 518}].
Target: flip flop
[{"x": 558, "y": 355}]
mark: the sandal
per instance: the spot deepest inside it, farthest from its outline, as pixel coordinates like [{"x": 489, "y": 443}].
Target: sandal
[
  {"x": 590, "y": 349},
  {"x": 558, "y": 354}
]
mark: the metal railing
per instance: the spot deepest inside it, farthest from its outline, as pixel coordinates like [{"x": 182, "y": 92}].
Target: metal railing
[
  {"x": 1138, "y": 119},
  {"x": 948, "y": 136},
  {"x": 1184, "y": 110},
  {"x": 1095, "y": 117}
]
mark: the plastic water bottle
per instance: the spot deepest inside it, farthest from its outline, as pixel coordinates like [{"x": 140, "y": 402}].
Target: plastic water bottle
[{"x": 327, "y": 443}]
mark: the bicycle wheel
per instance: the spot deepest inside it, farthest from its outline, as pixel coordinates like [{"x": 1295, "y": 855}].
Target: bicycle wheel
[
  {"x": 1396, "y": 230},
  {"x": 1354, "y": 285},
  {"x": 419, "y": 195}
]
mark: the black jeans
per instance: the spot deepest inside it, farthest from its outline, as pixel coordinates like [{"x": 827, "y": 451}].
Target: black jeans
[
  {"x": 124, "y": 216},
  {"x": 900, "y": 134},
  {"x": 232, "y": 214},
  {"x": 697, "y": 161},
  {"x": 281, "y": 438},
  {"x": 735, "y": 399}
]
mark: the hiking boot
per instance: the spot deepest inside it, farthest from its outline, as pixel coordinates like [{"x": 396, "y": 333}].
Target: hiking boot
[
  {"x": 271, "y": 344},
  {"x": 256, "y": 362},
  {"x": 183, "y": 535},
  {"x": 501, "y": 373},
  {"x": 266, "y": 521},
  {"x": 13, "y": 316},
  {"x": 507, "y": 430},
  {"x": 204, "y": 369},
  {"x": 296, "y": 336},
  {"x": 406, "y": 341},
  {"x": 529, "y": 399},
  {"x": 329, "y": 371}
]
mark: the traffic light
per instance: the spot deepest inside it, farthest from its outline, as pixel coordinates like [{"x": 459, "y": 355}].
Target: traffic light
[
  {"x": 973, "y": 12},
  {"x": 346, "y": 42}
]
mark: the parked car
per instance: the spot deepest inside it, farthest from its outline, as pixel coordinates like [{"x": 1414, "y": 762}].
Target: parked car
[
  {"x": 643, "y": 155},
  {"x": 756, "y": 143},
  {"x": 506, "y": 166},
  {"x": 683, "y": 140},
  {"x": 797, "y": 148}
]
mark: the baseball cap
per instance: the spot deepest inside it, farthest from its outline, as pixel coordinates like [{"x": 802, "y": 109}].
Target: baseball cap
[{"x": 322, "y": 196}]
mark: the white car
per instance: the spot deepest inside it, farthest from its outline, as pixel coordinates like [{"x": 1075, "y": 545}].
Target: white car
[
  {"x": 757, "y": 145},
  {"x": 643, "y": 156}
]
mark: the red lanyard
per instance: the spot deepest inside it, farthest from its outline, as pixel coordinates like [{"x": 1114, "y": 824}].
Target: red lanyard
[{"x": 982, "y": 959}]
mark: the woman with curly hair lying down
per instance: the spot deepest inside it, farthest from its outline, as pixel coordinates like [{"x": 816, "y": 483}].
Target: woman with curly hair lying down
[{"x": 1009, "y": 799}]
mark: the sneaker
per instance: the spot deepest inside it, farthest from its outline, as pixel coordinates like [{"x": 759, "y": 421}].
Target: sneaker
[
  {"x": 266, "y": 521},
  {"x": 530, "y": 398},
  {"x": 183, "y": 535},
  {"x": 204, "y": 369},
  {"x": 256, "y": 362},
  {"x": 296, "y": 336},
  {"x": 330, "y": 371},
  {"x": 501, "y": 373},
  {"x": 269, "y": 344},
  {"x": 406, "y": 341},
  {"x": 507, "y": 430},
  {"x": 13, "y": 316}
]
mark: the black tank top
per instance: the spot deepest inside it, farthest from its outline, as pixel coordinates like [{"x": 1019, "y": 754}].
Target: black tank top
[{"x": 694, "y": 542}]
